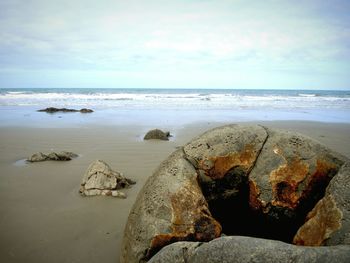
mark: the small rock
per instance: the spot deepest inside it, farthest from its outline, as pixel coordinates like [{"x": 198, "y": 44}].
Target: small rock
[
  {"x": 53, "y": 110},
  {"x": 37, "y": 157},
  {"x": 100, "y": 179},
  {"x": 84, "y": 110},
  {"x": 53, "y": 156},
  {"x": 118, "y": 194},
  {"x": 157, "y": 134}
]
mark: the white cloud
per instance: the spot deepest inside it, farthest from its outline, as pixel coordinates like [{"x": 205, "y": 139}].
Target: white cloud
[{"x": 188, "y": 36}]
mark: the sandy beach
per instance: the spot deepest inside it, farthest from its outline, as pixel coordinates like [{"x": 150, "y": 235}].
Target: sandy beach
[{"x": 42, "y": 216}]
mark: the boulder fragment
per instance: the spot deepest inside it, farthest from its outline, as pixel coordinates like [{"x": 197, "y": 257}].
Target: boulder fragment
[
  {"x": 329, "y": 221},
  {"x": 289, "y": 177},
  {"x": 53, "y": 156},
  {"x": 169, "y": 208},
  {"x": 100, "y": 179}
]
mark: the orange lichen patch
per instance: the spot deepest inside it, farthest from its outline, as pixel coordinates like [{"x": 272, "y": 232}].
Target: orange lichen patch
[
  {"x": 285, "y": 181},
  {"x": 321, "y": 222},
  {"x": 222, "y": 164},
  {"x": 191, "y": 219},
  {"x": 254, "y": 201}
]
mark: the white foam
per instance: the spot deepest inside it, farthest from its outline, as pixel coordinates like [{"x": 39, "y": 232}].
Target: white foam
[{"x": 172, "y": 100}]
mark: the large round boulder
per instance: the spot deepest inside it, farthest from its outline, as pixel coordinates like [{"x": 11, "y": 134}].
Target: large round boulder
[{"x": 242, "y": 180}]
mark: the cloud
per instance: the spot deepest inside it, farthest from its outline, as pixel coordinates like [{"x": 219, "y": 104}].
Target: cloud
[{"x": 158, "y": 36}]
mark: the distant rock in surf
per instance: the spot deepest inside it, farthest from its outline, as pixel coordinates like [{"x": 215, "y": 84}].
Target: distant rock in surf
[
  {"x": 54, "y": 110},
  {"x": 100, "y": 179},
  {"x": 61, "y": 156},
  {"x": 157, "y": 134},
  {"x": 84, "y": 110}
]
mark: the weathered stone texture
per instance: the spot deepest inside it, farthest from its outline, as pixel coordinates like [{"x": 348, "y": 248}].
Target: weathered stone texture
[
  {"x": 216, "y": 152},
  {"x": 288, "y": 167},
  {"x": 239, "y": 249},
  {"x": 169, "y": 208},
  {"x": 329, "y": 221}
]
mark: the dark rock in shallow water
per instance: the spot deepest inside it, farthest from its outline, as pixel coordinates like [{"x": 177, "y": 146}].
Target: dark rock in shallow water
[
  {"x": 157, "y": 134},
  {"x": 86, "y": 110},
  {"x": 100, "y": 179},
  {"x": 241, "y": 180},
  {"x": 241, "y": 249},
  {"x": 53, "y": 156},
  {"x": 54, "y": 110}
]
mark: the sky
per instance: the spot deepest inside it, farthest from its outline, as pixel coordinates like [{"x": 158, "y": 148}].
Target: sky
[{"x": 175, "y": 44}]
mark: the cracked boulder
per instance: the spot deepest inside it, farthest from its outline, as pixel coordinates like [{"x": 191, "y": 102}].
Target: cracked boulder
[
  {"x": 240, "y": 180},
  {"x": 100, "y": 179}
]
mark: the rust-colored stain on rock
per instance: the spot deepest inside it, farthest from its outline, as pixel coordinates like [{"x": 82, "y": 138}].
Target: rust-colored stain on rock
[
  {"x": 321, "y": 222},
  {"x": 285, "y": 181},
  {"x": 191, "y": 220},
  {"x": 222, "y": 164},
  {"x": 254, "y": 201}
]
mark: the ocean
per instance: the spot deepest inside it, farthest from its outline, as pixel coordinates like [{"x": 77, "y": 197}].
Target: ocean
[{"x": 173, "y": 105}]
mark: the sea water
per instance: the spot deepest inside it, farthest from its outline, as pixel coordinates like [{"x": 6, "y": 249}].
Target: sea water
[{"x": 167, "y": 106}]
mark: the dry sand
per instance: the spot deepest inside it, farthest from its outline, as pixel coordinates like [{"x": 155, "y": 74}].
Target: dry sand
[{"x": 42, "y": 216}]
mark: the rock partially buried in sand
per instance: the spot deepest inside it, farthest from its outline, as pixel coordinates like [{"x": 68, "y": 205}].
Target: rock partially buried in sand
[
  {"x": 54, "y": 110},
  {"x": 241, "y": 249},
  {"x": 100, "y": 179},
  {"x": 157, "y": 134},
  {"x": 53, "y": 156},
  {"x": 239, "y": 180}
]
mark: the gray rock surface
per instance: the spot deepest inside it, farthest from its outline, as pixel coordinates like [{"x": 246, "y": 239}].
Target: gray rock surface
[
  {"x": 239, "y": 249},
  {"x": 157, "y": 134},
  {"x": 178, "y": 252},
  {"x": 257, "y": 182},
  {"x": 100, "y": 179},
  {"x": 53, "y": 156}
]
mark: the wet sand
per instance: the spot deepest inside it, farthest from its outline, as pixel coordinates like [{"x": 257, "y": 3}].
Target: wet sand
[{"x": 42, "y": 216}]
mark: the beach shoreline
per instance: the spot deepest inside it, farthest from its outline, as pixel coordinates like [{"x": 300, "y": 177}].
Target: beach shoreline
[{"x": 42, "y": 216}]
